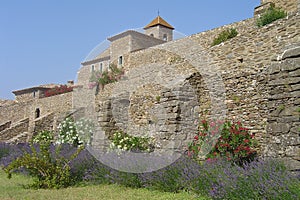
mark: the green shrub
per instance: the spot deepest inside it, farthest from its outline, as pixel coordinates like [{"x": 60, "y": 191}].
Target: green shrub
[
  {"x": 270, "y": 15},
  {"x": 47, "y": 170},
  {"x": 128, "y": 180},
  {"x": 224, "y": 36}
]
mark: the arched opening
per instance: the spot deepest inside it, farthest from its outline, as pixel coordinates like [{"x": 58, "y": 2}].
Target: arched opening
[{"x": 37, "y": 113}]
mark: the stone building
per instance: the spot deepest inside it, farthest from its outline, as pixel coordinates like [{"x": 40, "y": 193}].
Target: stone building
[
  {"x": 158, "y": 31},
  {"x": 253, "y": 77},
  {"x": 33, "y": 110}
]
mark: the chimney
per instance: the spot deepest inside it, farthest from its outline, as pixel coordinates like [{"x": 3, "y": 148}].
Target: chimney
[{"x": 70, "y": 83}]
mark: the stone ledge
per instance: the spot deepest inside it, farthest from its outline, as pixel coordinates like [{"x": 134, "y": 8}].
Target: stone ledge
[{"x": 291, "y": 53}]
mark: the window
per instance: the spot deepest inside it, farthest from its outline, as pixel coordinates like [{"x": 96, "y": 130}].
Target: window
[
  {"x": 33, "y": 94},
  {"x": 165, "y": 37},
  {"x": 37, "y": 113},
  {"x": 100, "y": 67},
  {"x": 151, "y": 35},
  {"x": 93, "y": 68},
  {"x": 120, "y": 60}
]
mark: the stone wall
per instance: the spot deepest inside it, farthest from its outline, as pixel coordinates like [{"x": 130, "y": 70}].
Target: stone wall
[
  {"x": 15, "y": 112},
  {"x": 232, "y": 81},
  {"x": 58, "y": 104},
  {"x": 84, "y": 75},
  {"x": 26, "y": 96},
  {"x": 140, "y": 41},
  {"x": 5, "y": 125},
  {"x": 119, "y": 47},
  {"x": 283, "y": 138},
  {"x": 18, "y": 128},
  {"x": 46, "y": 122},
  {"x": 290, "y": 6}
]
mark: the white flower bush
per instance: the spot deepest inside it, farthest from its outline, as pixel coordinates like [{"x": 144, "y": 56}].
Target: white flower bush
[
  {"x": 76, "y": 133},
  {"x": 123, "y": 141},
  {"x": 43, "y": 136}
]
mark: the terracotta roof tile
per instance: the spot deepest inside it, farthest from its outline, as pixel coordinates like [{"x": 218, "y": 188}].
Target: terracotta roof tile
[{"x": 159, "y": 21}]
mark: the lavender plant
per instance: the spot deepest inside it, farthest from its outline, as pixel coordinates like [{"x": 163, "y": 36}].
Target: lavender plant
[
  {"x": 260, "y": 179},
  {"x": 215, "y": 178}
]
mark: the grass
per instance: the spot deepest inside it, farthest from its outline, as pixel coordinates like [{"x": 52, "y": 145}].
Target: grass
[{"x": 14, "y": 189}]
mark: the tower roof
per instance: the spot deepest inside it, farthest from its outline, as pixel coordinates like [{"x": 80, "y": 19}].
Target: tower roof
[{"x": 159, "y": 21}]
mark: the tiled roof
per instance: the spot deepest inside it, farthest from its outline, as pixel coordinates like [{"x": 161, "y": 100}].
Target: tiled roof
[
  {"x": 30, "y": 89},
  {"x": 159, "y": 21}
]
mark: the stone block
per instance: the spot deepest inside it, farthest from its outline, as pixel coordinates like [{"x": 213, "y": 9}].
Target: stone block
[
  {"x": 295, "y": 130},
  {"x": 295, "y": 73},
  {"x": 292, "y": 151},
  {"x": 290, "y": 111},
  {"x": 278, "y": 128},
  {"x": 290, "y": 64},
  {"x": 290, "y": 53},
  {"x": 295, "y": 94},
  {"x": 291, "y": 163},
  {"x": 295, "y": 87},
  {"x": 288, "y": 119},
  {"x": 274, "y": 68}
]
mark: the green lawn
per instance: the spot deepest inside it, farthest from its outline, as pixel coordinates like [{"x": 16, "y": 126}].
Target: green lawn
[{"x": 13, "y": 189}]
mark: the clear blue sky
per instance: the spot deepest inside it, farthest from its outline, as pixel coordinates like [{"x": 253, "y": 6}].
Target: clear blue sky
[{"x": 44, "y": 41}]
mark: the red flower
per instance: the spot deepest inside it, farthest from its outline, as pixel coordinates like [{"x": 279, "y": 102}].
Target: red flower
[
  {"x": 196, "y": 137},
  {"x": 246, "y": 140}
]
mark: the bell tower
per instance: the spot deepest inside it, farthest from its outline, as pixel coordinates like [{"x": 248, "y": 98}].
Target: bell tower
[{"x": 160, "y": 29}]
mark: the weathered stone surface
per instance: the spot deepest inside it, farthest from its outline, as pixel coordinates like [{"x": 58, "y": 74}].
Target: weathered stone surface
[
  {"x": 278, "y": 128},
  {"x": 289, "y": 111},
  {"x": 290, "y": 53}
]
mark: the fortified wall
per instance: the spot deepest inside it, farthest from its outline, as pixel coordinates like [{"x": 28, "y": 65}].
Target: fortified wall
[
  {"x": 168, "y": 86},
  {"x": 253, "y": 77},
  {"x": 20, "y": 120}
]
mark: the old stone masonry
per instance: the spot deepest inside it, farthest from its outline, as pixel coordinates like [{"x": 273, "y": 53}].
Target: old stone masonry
[{"x": 170, "y": 84}]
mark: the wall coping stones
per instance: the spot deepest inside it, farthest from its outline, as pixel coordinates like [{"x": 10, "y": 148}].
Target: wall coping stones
[{"x": 291, "y": 53}]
